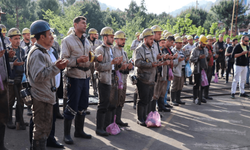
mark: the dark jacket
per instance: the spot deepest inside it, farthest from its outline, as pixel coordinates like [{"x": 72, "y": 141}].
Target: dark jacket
[{"x": 243, "y": 59}]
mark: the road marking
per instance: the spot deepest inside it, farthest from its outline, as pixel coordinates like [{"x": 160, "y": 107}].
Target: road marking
[
  {"x": 220, "y": 120},
  {"x": 219, "y": 146},
  {"x": 225, "y": 111},
  {"x": 223, "y": 130}
]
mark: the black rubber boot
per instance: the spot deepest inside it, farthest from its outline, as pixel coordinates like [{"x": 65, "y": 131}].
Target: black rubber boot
[
  {"x": 206, "y": 93},
  {"x": 173, "y": 99},
  {"x": 140, "y": 114},
  {"x": 135, "y": 100},
  {"x": 178, "y": 98},
  {"x": 108, "y": 119},
  {"x": 203, "y": 100},
  {"x": 67, "y": 126},
  {"x": 10, "y": 123},
  {"x": 153, "y": 106},
  {"x": 100, "y": 118},
  {"x": 2, "y": 133},
  {"x": 29, "y": 112},
  {"x": 39, "y": 144},
  {"x": 161, "y": 105},
  {"x": 118, "y": 117},
  {"x": 79, "y": 125}
]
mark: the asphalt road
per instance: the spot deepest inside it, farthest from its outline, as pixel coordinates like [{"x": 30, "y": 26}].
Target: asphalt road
[{"x": 220, "y": 124}]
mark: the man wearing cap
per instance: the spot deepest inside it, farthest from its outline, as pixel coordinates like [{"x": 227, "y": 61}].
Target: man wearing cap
[
  {"x": 107, "y": 84},
  {"x": 4, "y": 31},
  {"x": 77, "y": 49},
  {"x": 199, "y": 62},
  {"x": 146, "y": 63},
  {"x": 196, "y": 39},
  {"x": 241, "y": 54},
  {"x": 210, "y": 60},
  {"x": 178, "y": 71},
  {"x": 120, "y": 39},
  {"x": 160, "y": 79},
  {"x": 136, "y": 42},
  {"x": 185, "y": 40},
  {"x": 41, "y": 74},
  {"x": 26, "y": 38},
  {"x": 187, "y": 50},
  {"x": 220, "y": 47},
  {"x": 94, "y": 44},
  {"x": 17, "y": 66}
]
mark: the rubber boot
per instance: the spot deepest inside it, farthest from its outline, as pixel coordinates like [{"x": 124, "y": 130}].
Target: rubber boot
[
  {"x": 100, "y": 118},
  {"x": 58, "y": 114},
  {"x": 67, "y": 126},
  {"x": 178, "y": 98},
  {"x": 2, "y": 133},
  {"x": 153, "y": 106},
  {"x": 79, "y": 125},
  {"x": 118, "y": 117},
  {"x": 203, "y": 100},
  {"x": 39, "y": 144},
  {"x": 10, "y": 123},
  {"x": 20, "y": 125},
  {"x": 196, "y": 99},
  {"x": 108, "y": 119},
  {"x": 206, "y": 93},
  {"x": 140, "y": 114},
  {"x": 161, "y": 105},
  {"x": 173, "y": 98},
  {"x": 135, "y": 100}
]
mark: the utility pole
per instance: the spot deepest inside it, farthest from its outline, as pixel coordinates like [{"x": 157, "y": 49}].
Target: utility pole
[
  {"x": 232, "y": 20},
  {"x": 236, "y": 28}
]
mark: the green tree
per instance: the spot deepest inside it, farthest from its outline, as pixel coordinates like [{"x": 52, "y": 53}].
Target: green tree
[
  {"x": 45, "y": 5},
  {"x": 224, "y": 11}
]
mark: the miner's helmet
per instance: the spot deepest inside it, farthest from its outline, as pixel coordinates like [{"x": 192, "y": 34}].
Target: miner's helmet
[
  {"x": 178, "y": 39},
  {"x": 156, "y": 28},
  {"x": 147, "y": 32},
  {"x": 4, "y": 30},
  {"x": 203, "y": 39},
  {"x": 39, "y": 26},
  {"x": 13, "y": 32},
  {"x": 209, "y": 37},
  {"x": 120, "y": 35},
  {"x": 107, "y": 31},
  {"x": 26, "y": 30},
  {"x": 92, "y": 31},
  {"x": 167, "y": 34},
  {"x": 189, "y": 37},
  {"x": 137, "y": 34}
]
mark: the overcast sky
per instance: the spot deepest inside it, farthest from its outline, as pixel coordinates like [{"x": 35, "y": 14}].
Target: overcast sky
[{"x": 153, "y": 6}]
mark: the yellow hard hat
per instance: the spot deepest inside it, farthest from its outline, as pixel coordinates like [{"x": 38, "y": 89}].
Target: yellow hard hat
[
  {"x": 156, "y": 28},
  {"x": 147, "y": 32},
  {"x": 209, "y": 37},
  {"x": 176, "y": 35},
  {"x": 183, "y": 37},
  {"x": 107, "y": 31},
  {"x": 189, "y": 37},
  {"x": 25, "y": 30},
  {"x": 165, "y": 31},
  {"x": 162, "y": 38},
  {"x": 120, "y": 35},
  {"x": 167, "y": 34},
  {"x": 141, "y": 37},
  {"x": 92, "y": 31},
  {"x": 4, "y": 30},
  {"x": 137, "y": 34},
  {"x": 71, "y": 29},
  {"x": 13, "y": 32},
  {"x": 203, "y": 39},
  {"x": 32, "y": 36},
  {"x": 178, "y": 39}
]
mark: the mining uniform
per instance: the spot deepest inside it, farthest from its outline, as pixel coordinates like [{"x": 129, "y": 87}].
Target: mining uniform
[
  {"x": 220, "y": 61},
  {"x": 145, "y": 79},
  {"x": 23, "y": 44},
  {"x": 187, "y": 51}
]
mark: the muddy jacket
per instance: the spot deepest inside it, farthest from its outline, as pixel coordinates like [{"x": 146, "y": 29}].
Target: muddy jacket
[
  {"x": 7, "y": 41},
  {"x": 94, "y": 44},
  {"x": 217, "y": 48},
  {"x": 41, "y": 74},
  {"x": 187, "y": 49},
  {"x": 135, "y": 44},
  {"x": 23, "y": 44},
  {"x": 178, "y": 66},
  {"x": 104, "y": 68},
  {"x": 72, "y": 48},
  {"x": 143, "y": 61},
  {"x": 196, "y": 62}
]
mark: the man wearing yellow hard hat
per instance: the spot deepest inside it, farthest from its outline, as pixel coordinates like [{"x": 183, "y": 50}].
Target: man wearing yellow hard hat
[
  {"x": 26, "y": 38},
  {"x": 199, "y": 62},
  {"x": 146, "y": 63},
  {"x": 107, "y": 84},
  {"x": 120, "y": 39},
  {"x": 136, "y": 42},
  {"x": 161, "y": 74},
  {"x": 4, "y": 31}
]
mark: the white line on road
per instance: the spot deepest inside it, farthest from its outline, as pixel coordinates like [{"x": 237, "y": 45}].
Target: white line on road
[{"x": 222, "y": 130}]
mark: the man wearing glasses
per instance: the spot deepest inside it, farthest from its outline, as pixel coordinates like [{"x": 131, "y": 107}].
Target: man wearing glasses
[{"x": 241, "y": 54}]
